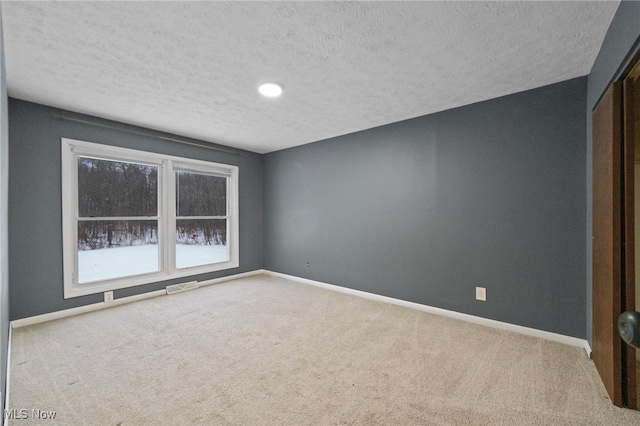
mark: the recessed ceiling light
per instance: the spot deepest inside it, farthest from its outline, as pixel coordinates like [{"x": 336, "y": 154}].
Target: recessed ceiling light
[{"x": 270, "y": 90}]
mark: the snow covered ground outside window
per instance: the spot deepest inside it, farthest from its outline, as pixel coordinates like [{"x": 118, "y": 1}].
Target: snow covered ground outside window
[{"x": 117, "y": 262}]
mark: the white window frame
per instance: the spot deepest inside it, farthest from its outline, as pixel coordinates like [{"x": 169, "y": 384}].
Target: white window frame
[{"x": 166, "y": 164}]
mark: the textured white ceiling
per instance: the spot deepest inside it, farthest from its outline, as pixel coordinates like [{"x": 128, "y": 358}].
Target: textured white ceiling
[{"x": 192, "y": 68}]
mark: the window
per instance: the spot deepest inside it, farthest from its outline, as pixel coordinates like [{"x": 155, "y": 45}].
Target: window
[
  {"x": 201, "y": 224},
  {"x": 117, "y": 220},
  {"x": 132, "y": 217}
]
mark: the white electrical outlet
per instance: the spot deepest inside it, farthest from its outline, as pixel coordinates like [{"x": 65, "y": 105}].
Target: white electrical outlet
[
  {"x": 481, "y": 294},
  {"x": 108, "y": 296}
]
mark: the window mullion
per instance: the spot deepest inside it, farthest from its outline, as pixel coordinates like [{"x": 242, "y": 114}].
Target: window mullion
[
  {"x": 169, "y": 210},
  {"x": 201, "y": 217},
  {"x": 104, "y": 218}
]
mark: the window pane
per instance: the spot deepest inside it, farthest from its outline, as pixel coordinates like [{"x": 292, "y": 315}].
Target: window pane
[
  {"x": 201, "y": 242},
  {"x": 200, "y": 195},
  {"x": 112, "y": 188},
  {"x": 116, "y": 248}
]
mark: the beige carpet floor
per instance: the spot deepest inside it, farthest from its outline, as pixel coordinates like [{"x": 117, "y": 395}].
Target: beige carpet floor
[{"x": 267, "y": 351}]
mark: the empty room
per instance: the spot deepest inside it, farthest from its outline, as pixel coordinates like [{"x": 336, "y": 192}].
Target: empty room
[{"x": 318, "y": 213}]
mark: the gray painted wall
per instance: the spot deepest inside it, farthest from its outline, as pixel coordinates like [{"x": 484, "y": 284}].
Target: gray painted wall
[
  {"x": 4, "y": 229},
  {"x": 425, "y": 210},
  {"x": 35, "y": 197},
  {"x": 619, "y": 46}
]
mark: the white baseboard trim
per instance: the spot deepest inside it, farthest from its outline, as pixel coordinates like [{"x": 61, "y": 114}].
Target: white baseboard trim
[
  {"x": 587, "y": 348},
  {"x": 555, "y": 337},
  {"x": 231, "y": 277},
  {"x": 23, "y": 322}
]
